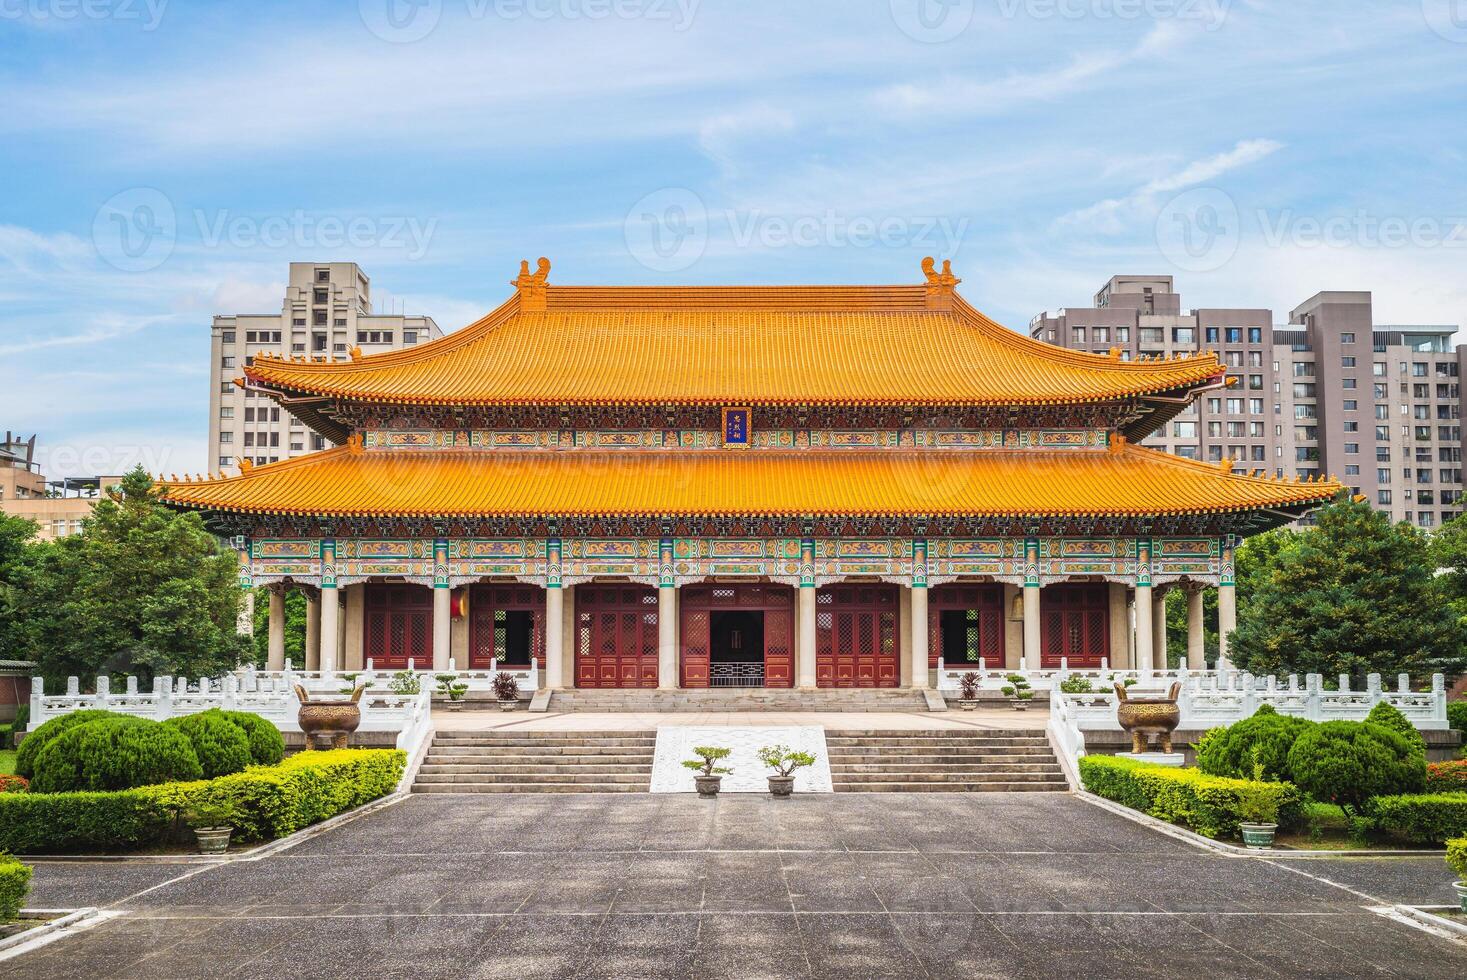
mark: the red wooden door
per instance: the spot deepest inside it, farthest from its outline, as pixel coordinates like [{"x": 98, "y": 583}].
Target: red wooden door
[
  {"x": 965, "y": 622},
  {"x": 698, "y": 603},
  {"x": 616, "y": 636},
  {"x": 1075, "y": 624},
  {"x": 856, "y": 636},
  {"x": 506, "y": 621},
  {"x": 398, "y": 627}
]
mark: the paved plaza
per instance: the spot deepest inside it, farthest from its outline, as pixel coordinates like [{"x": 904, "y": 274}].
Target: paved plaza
[{"x": 922, "y": 885}]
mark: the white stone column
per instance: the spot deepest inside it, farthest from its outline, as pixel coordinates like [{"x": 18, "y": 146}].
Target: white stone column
[
  {"x": 275, "y": 657},
  {"x": 313, "y": 632},
  {"x": 442, "y": 625},
  {"x": 1227, "y": 621},
  {"x": 554, "y": 636},
  {"x": 1120, "y": 625},
  {"x": 667, "y": 648},
  {"x": 1196, "y": 655},
  {"x": 1145, "y": 633},
  {"x": 1032, "y": 654},
  {"x": 805, "y": 654},
  {"x": 330, "y": 628},
  {"x": 1158, "y": 624},
  {"x": 920, "y": 668}
]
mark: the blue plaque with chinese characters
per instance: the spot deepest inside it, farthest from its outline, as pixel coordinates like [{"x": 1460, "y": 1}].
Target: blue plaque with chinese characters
[{"x": 736, "y": 427}]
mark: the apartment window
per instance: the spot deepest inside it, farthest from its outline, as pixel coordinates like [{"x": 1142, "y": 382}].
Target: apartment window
[
  {"x": 361, "y": 336},
  {"x": 1421, "y": 411},
  {"x": 226, "y": 362},
  {"x": 226, "y": 388},
  {"x": 411, "y": 336},
  {"x": 1303, "y": 369},
  {"x": 1350, "y": 404},
  {"x": 1184, "y": 430},
  {"x": 1259, "y": 454},
  {"x": 318, "y": 341},
  {"x": 1152, "y": 335},
  {"x": 227, "y": 337},
  {"x": 1234, "y": 358},
  {"x": 1255, "y": 358},
  {"x": 1255, "y": 429},
  {"x": 323, "y": 275},
  {"x": 249, "y": 413},
  {"x": 1382, "y": 454},
  {"x": 1214, "y": 405},
  {"x": 318, "y": 441},
  {"x": 1123, "y": 335},
  {"x": 1382, "y": 433},
  {"x": 1347, "y": 338},
  {"x": 225, "y": 437},
  {"x": 1211, "y": 335},
  {"x": 339, "y": 348},
  {"x": 1255, "y": 406},
  {"x": 1303, "y": 389},
  {"x": 319, "y": 296},
  {"x": 1184, "y": 335},
  {"x": 1235, "y": 406},
  {"x": 1187, "y": 452},
  {"x": 1352, "y": 449},
  {"x": 1379, "y": 369},
  {"x": 1237, "y": 430},
  {"x": 1348, "y": 384},
  {"x": 339, "y": 322},
  {"x": 1418, "y": 369},
  {"x": 1051, "y": 336},
  {"x": 296, "y": 447},
  {"x": 1383, "y": 475},
  {"x": 299, "y": 321},
  {"x": 1382, "y": 411},
  {"x": 1234, "y": 335},
  {"x": 1255, "y": 335},
  {"x": 1079, "y": 335},
  {"x": 1305, "y": 412},
  {"x": 1352, "y": 426},
  {"x": 1449, "y": 433},
  {"x": 318, "y": 317},
  {"x": 1347, "y": 361},
  {"x": 1424, "y": 476},
  {"x": 1383, "y": 497},
  {"x": 1214, "y": 453},
  {"x": 249, "y": 440},
  {"x": 1426, "y": 518},
  {"x": 1352, "y": 469},
  {"x": 226, "y": 411},
  {"x": 1450, "y": 476},
  {"x": 298, "y": 348}
]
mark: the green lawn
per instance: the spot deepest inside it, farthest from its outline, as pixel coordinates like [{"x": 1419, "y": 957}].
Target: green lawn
[{"x": 7, "y": 762}]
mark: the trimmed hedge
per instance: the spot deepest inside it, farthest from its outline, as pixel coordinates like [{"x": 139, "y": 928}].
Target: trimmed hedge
[
  {"x": 221, "y": 746},
  {"x": 1446, "y": 777},
  {"x": 1348, "y": 763},
  {"x": 116, "y": 753},
  {"x": 15, "y": 883},
  {"x": 1426, "y": 818},
  {"x": 25, "y": 757},
  {"x": 1206, "y": 804},
  {"x": 268, "y": 801},
  {"x": 1457, "y": 857},
  {"x": 1390, "y": 716},
  {"x": 1265, "y": 738},
  {"x": 267, "y": 746}
]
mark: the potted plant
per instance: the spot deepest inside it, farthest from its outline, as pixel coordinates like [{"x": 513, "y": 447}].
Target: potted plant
[
  {"x": 507, "y": 691},
  {"x": 1018, "y": 691},
  {"x": 352, "y": 685},
  {"x": 784, "y": 763},
  {"x": 1457, "y": 861},
  {"x": 405, "y": 682},
  {"x": 450, "y": 687},
  {"x": 707, "y": 774},
  {"x": 1258, "y": 811},
  {"x": 968, "y": 698},
  {"x": 212, "y": 823},
  {"x": 1075, "y": 684}
]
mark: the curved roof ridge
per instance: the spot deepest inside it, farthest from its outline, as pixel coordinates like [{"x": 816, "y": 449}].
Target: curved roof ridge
[{"x": 1173, "y": 459}]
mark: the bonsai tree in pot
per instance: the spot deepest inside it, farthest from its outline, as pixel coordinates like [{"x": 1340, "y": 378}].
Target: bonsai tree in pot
[
  {"x": 212, "y": 822},
  {"x": 968, "y": 697},
  {"x": 784, "y": 762},
  {"x": 1018, "y": 691},
  {"x": 707, "y": 774},
  {"x": 1258, "y": 810},
  {"x": 450, "y": 687},
  {"x": 1457, "y": 861},
  {"x": 507, "y": 690}
]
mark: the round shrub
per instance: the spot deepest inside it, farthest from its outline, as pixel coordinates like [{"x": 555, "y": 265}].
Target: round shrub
[
  {"x": 1265, "y": 739},
  {"x": 1390, "y": 716},
  {"x": 267, "y": 747},
  {"x": 1457, "y": 716},
  {"x": 1349, "y": 762},
  {"x": 115, "y": 753},
  {"x": 220, "y": 745},
  {"x": 34, "y": 742}
]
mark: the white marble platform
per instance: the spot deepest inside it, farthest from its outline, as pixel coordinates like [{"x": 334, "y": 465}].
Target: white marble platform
[{"x": 676, "y": 742}]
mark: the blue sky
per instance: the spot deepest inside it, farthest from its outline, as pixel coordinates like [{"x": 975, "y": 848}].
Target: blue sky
[{"x": 163, "y": 161}]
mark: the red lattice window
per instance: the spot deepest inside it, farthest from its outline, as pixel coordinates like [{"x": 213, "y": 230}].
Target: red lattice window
[
  {"x": 616, "y": 636},
  {"x": 856, "y": 641},
  {"x": 398, "y": 626},
  {"x": 1074, "y": 624},
  {"x": 506, "y": 621}
]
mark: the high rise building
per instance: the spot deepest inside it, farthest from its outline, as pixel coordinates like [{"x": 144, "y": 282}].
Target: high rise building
[
  {"x": 327, "y": 311},
  {"x": 1330, "y": 392}
]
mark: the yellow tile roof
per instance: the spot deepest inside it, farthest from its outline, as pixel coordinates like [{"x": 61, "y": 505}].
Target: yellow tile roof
[
  {"x": 806, "y": 345},
  {"x": 1131, "y": 481}
]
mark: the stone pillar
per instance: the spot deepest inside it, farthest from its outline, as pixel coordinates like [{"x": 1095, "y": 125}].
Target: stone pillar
[
  {"x": 313, "y": 632},
  {"x": 667, "y": 648},
  {"x": 330, "y": 628},
  {"x": 1145, "y": 632},
  {"x": 920, "y": 667},
  {"x": 275, "y": 657},
  {"x": 805, "y": 642},
  {"x": 1120, "y": 625},
  {"x": 1158, "y": 623},
  {"x": 554, "y": 636},
  {"x": 1196, "y": 655},
  {"x": 1227, "y": 602},
  {"x": 442, "y": 625},
  {"x": 1032, "y": 655}
]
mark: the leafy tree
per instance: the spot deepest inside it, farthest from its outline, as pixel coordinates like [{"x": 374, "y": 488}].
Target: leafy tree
[
  {"x": 295, "y": 628},
  {"x": 1253, "y": 559},
  {"x": 17, "y": 542},
  {"x": 1351, "y": 595},
  {"x": 1449, "y": 554},
  {"x": 141, "y": 590}
]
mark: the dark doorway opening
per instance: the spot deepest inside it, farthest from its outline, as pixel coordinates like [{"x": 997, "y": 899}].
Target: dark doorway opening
[{"x": 736, "y": 648}]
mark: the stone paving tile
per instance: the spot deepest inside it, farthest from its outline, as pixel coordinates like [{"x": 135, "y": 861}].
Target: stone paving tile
[
  {"x": 67, "y": 884},
  {"x": 1411, "y": 881}
]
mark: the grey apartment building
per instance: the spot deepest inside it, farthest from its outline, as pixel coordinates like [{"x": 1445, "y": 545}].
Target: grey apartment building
[
  {"x": 1330, "y": 392},
  {"x": 326, "y": 312}
]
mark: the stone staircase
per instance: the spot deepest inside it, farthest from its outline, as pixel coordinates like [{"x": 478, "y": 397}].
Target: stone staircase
[
  {"x": 943, "y": 761},
  {"x": 538, "y": 762},
  {"x": 741, "y": 699}
]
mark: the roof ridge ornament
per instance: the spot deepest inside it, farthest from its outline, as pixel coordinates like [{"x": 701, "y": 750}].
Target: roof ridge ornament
[
  {"x": 940, "y": 285},
  {"x": 532, "y": 286},
  {"x": 354, "y": 443}
]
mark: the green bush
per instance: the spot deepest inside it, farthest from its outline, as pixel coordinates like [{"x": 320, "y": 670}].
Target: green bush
[
  {"x": 25, "y": 759},
  {"x": 1457, "y": 857},
  {"x": 267, "y": 747},
  {"x": 220, "y": 744},
  {"x": 1447, "y": 777},
  {"x": 1350, "y": 762},
  {"x": 1210, "y": 805},
  {"x": 1263, "y": 739},
  {"x": 15, "y": 883},
  {"x": 267, "y": 802},
  {"x": 1390, "y": 716},
  {"x": 115, "y": 753},
  {"x": 1424, "y": 818},
  {"x": 1457, "y": 716}
]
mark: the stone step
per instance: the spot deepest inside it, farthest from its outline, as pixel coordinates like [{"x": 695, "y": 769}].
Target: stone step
[
  {"x": 969, "y": 776},
  {"x": 943, "y": 767},
  {"x": 641, "y": 779},
  {"x": 431, "y": 768},
  {"x": 946, "y": 734},
  {"x": 935, "y": 745},
  {"x": 548, "y": 745},
  {"x": 920, "y": 752},
  {"x": 527, "y": 758},
  {"x": 546, "y": 736},
  {"x": 521, "y": 788},
  {"x": 1058, "y": 786}
]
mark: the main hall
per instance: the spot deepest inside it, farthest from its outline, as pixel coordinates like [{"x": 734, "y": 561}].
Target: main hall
[{"x": 770, "y": 486}]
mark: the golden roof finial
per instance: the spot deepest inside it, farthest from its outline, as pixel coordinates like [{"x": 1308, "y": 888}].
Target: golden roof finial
[
  {"x": 356, "y": 353},
  {"x": 354, "y": 443},
  {"x": 245, "y": 464},
  {"x": 1117, "y": 442},
  {"x": 1114, "y": 354},
  {"x": 532, "y": 286},
  {"x": 940, "y": 285}
]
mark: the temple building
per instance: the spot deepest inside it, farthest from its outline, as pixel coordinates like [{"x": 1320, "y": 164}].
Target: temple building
[{"x": 685, "y": 487}]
